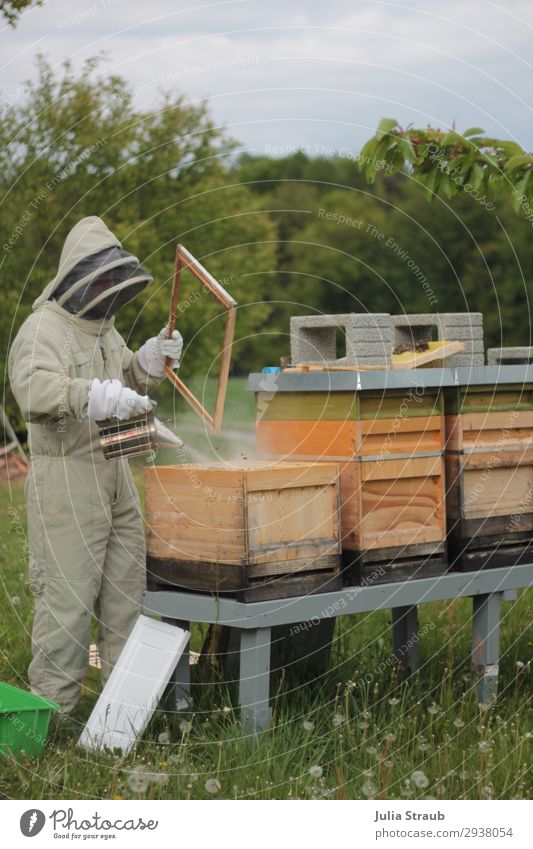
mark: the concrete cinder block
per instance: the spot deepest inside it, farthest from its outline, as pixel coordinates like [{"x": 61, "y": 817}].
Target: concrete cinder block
[
  {"x": 459, "y": 334},
  {"x": 460, "y": 327},
  {"x": 371, "y": 334},
  {"x": 366, "y": 349},
  {"x": 368, "y": 319},
  {"x": 370, "y": 337},
  {"x": 518, "y": 355},
  {"x": 315, "y": 344},
  {"x": 366, "y": 335},
  {"x": 467, "y": 319}
]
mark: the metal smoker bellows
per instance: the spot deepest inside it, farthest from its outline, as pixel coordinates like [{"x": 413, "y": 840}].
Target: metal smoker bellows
[{"x": 139, "y": 435}]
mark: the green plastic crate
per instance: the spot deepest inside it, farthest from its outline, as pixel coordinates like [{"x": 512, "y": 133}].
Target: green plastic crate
[{"x": 24, "y": 719}]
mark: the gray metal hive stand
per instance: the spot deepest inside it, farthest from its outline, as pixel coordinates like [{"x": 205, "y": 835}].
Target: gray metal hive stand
[{"x": 254, "y": 620}]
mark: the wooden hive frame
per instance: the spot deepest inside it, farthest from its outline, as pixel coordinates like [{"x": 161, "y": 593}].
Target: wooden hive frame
[{"x": 184, "y": 259}]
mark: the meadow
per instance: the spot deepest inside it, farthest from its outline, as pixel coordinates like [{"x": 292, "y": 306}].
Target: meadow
[{"x": 358, "y": 731}]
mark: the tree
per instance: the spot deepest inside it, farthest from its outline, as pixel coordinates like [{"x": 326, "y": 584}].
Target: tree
[
  {"x": 449, "y": 163},
  {"x": 77, "y": 146},
  {"x": 345, "y": 246},
  {"x": 12, "y": 9}
]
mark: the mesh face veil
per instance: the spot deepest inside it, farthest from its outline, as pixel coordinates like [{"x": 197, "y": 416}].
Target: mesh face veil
[{"x": 101, "y": 283}]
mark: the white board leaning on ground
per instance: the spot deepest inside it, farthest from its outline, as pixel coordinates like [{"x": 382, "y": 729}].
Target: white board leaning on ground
[{"x": 135, "y": 685}]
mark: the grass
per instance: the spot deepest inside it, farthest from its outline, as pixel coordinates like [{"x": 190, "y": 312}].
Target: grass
[{"x": 355, "y": 732}]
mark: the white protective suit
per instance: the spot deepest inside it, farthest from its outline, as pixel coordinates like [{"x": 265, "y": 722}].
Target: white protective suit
[{"x": 85, "y": 526}]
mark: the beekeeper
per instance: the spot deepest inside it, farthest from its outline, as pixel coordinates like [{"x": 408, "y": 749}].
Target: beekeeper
[{"x": 69, "y": 367}]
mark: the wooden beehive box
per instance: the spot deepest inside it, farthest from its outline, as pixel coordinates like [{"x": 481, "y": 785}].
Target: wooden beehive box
[
  {"x": 489, "y": 475},
  {"x": 260, "y": 529},
  {"x": 389, "y": 446}
]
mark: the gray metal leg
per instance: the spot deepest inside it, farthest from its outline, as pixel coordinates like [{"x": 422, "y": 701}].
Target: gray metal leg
[
  {"x": 486, "y": 644},
  {"x": 255, "y": 679},
  {"x": 179, "y": 691},
  {"x": 405, "y": 639}
]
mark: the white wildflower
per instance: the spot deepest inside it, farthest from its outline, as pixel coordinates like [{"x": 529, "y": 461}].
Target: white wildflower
[
  {"x": 420, "y": 779},
  {"x": 138, "y": 779},
  {"x": 369, "y": 789}
]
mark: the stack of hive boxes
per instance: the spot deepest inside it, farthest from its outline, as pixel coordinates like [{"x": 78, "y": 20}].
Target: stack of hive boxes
[
  {"x": 489, "y": 464},
  {"x": 389, "y": 446},
  {"x": 389, "y": 443}
]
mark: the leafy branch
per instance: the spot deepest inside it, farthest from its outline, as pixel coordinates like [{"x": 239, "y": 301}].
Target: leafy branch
[{"x": 447, "y": 162}]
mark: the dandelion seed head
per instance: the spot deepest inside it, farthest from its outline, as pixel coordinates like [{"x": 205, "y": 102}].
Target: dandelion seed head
[
  {"x": 212, "y": 786},
  {"x": 316, "y": 771},
  {"x": 369, "y": 789},
  {"x": 420, "y": 779},
  {"x": 138, "y": 779}
]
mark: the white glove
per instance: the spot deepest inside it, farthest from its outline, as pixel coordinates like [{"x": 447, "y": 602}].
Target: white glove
[
  {"x": 109, "y": 398},
  {"x": 153, "y": 353}
]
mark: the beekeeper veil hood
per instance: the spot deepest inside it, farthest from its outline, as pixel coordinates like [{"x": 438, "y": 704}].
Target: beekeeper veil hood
[{"x": 96, "y": 276}]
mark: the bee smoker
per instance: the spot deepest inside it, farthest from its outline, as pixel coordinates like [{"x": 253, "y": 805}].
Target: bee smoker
[{"x": 139, "y": 435}]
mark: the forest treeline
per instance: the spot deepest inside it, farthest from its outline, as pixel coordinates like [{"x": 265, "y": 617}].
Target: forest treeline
[{"x": 286, "y": 236}]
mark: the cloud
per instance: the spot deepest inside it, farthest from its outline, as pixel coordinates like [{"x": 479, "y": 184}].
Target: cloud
[{"x": 303, "y": 73}]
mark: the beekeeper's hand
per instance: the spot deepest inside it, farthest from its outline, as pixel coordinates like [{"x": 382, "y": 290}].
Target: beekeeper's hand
[
  {"x": 153, "y": 353},
  {"x": 110, "y": 399}
]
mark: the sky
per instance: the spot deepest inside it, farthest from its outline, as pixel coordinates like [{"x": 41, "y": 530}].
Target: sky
[{"x": 312, "y": 75}]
